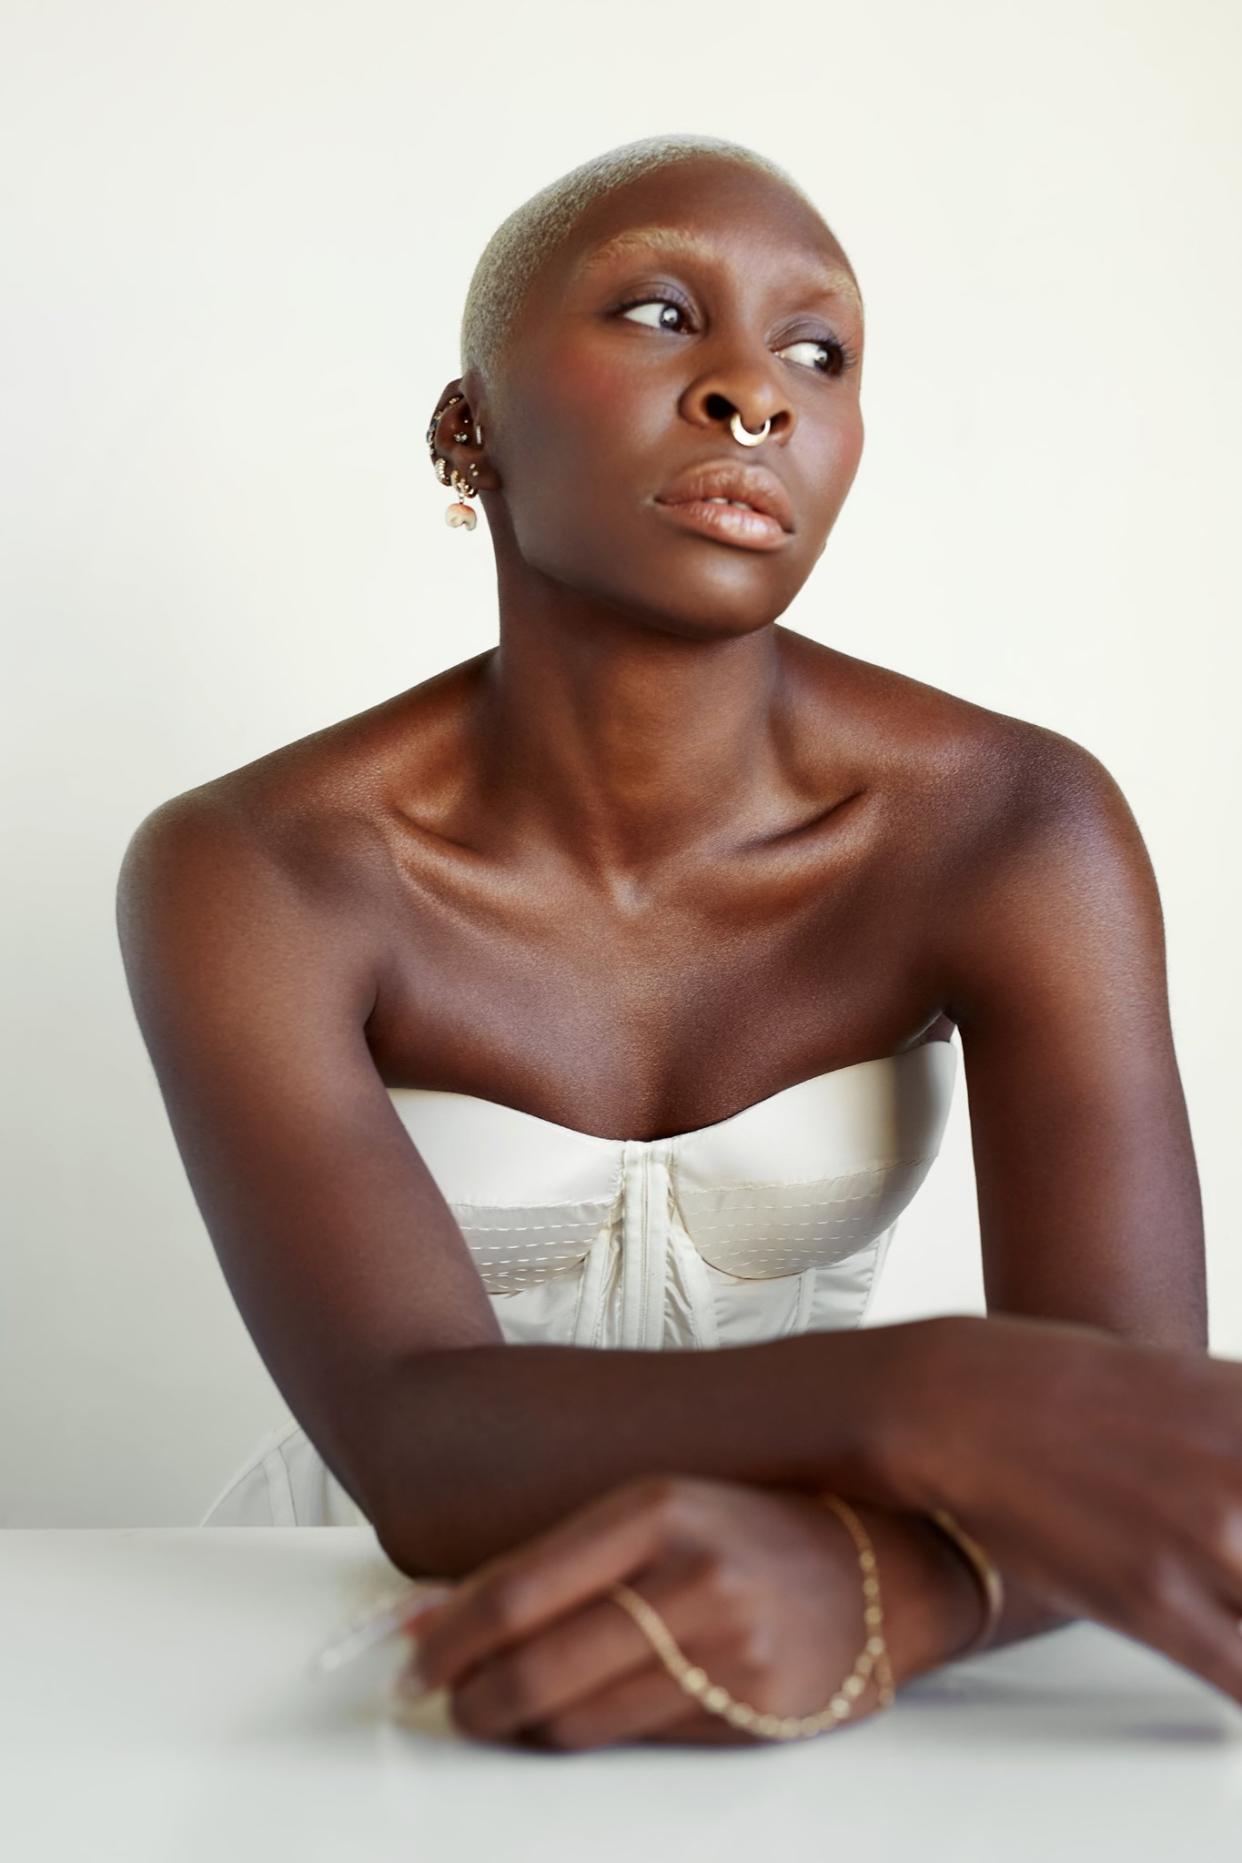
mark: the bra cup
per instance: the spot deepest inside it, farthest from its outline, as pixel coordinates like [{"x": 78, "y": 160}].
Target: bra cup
[
  {"x": 489, "y": 1156},
  {"x": 852, "y": 1120},
  {"x": 756, "y": 1231},
  {"x": 797, "y": 1183},
  {"x": 517, "y": 1247},
  {"x": 815, "y": 1176}
]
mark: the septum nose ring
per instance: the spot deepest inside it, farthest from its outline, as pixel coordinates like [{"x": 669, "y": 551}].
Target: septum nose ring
[{"x": 744, "y": 433}]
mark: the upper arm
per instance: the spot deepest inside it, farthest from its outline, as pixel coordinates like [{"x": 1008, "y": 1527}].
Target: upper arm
[
  {"x": 252, "y": 990},
  {"x": 1088, "y": 1191}
]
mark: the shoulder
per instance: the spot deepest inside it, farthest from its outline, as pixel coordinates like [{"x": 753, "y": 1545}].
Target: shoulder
[
  {"x": 1052, "y": 894},
  {"x": 902, "y": 733},
  {"x": 1017, "y": 841},
  {"x": 1044, "y": 805},
  {"x": 993, "y": 782},
  {"x": 339, "y": 806},
  {"x": 318, "y": 811},
  {"x": 221, "y": 858},
  {"x": 275, "y": 864},
  {"x": 239, "y": 899}
]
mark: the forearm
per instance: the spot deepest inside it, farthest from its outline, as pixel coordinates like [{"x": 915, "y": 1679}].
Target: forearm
[
  {"x": 933, "y": 1605},
  {"x": 483, "y": 1447}
]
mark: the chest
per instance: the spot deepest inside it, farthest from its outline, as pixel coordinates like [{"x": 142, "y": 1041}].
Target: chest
[{"x": 645, "y": 1014}]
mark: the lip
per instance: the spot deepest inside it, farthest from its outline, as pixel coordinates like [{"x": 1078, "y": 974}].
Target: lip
[
  {"x": 751, "y": 530},
  {"x": 754, "y": 485}
]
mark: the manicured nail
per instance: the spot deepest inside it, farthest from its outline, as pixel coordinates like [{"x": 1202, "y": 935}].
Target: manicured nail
[
  {"x": 373, "y": 1625},
  {"x": 412, "y": 1625}
]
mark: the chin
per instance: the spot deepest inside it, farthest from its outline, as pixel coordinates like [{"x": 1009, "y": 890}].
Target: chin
[
  {"x": 730, "y": 595},
  {"x": 710, "y": 617}
]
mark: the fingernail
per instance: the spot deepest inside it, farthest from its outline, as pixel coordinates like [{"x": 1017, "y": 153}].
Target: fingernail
[{"x": 429, "y": 1601}]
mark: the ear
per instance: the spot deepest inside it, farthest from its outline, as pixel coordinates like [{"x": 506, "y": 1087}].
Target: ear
[{"x": 458, "y": 415}]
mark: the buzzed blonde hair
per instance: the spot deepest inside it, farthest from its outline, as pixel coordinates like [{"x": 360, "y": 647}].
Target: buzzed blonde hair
[{"x": 521, "y": 243}]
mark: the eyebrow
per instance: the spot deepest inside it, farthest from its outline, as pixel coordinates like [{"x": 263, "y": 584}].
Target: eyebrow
[{"x": 834, "y": 280}]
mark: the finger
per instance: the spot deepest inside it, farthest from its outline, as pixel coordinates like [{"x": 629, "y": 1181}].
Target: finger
[
  {"x": 710, "y": 1730},
  {"x": 715, "y": 1730},
  {"x": 1190, "y": 1624},
  {"x": 422, "y": 1609},
  {"x": 649, "y": 1705},
  {"x": 511, "y": 1598},
  {"x": 573, "y": 1660},
  {"x": 1208, "y": 1640},
  {"x": 644, "y": 1705},
  {"x": 626, "y": 1711}
]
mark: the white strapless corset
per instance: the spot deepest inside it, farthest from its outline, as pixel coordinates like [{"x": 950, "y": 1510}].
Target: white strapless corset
[{"x": 771, "y": 1222}]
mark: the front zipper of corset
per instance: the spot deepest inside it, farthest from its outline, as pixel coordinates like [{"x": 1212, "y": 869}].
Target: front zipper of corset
[{"x": 644, "y": 1242}]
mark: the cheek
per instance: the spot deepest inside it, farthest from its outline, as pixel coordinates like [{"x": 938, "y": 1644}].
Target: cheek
[
  {"x": 589, "y": 446},
  {"x": 842, "y": 454},
  {"x": 596, "y": 406}
]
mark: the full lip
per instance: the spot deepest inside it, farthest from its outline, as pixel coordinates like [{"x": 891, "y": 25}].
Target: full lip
[{"x": 755, "y": 486}]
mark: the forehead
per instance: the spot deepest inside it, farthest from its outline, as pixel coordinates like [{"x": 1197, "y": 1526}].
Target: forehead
[
  {"x": 816, "y": 265},
  {"x": 723, "y": 213}
]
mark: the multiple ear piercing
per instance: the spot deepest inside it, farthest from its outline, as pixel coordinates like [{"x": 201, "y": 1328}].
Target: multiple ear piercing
[{"x": 459, "y": 512}]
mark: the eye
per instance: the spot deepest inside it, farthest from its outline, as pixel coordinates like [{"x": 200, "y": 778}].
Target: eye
[
  {"x": 838, "y": 357},
  {"x": 663, "y": 304}
]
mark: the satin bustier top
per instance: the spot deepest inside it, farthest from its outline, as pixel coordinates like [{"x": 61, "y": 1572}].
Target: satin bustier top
[{"x": 772, "y": 1222}]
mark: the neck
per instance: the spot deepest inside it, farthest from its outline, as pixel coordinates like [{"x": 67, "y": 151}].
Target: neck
[{"x": 625, "y": 744}]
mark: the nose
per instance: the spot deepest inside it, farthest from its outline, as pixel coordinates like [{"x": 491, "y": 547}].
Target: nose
[{"x": 741, "y": 397}]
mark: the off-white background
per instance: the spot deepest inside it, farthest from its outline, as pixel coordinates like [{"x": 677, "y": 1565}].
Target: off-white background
[{"x": 236, "y": 238}]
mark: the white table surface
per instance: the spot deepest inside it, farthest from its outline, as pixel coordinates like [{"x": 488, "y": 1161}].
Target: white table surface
[{"x": 153, "y": 1705}]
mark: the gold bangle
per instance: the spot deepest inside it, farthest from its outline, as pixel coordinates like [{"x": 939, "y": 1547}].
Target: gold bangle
[
  {"x": 986, "y": 1575},
  {"x": 717, "y": 1700}
]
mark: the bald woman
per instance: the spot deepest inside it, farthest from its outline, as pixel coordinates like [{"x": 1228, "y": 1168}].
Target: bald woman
[{"x": 552, "y": 1048}]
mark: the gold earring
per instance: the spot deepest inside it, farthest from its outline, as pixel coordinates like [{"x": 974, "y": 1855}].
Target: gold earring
[{"x": 458, "y": 513}]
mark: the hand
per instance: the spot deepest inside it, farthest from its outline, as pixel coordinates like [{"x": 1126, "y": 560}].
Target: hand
[
  {"x": 760, "y": 1586},
  {"x": 1104, "y": 1474}
]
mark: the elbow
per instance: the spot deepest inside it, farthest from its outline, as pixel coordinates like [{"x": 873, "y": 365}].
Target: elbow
[
  {"x": 405, "y": 1549},
  {"x": 418, "y": 1550},
  {"x": 426, "y": 1482}
]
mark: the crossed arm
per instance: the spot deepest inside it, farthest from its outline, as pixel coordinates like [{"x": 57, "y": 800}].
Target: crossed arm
[{"x": 253, "y": 988}]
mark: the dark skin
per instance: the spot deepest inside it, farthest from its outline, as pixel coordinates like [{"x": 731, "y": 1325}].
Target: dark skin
[{"x": 653, "y": 859}]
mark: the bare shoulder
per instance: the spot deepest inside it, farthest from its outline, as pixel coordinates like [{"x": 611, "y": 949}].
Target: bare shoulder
[
  {"x": 324, "y": 810},
  {"x": 271, "y": 865},
  {"x": 242, "y": 832},
  {"x": 1047, "y": 891},
  {"x": 297, "y": 806},
  {"x": 1023, "y": 813},
  {"x": 987, "y": 778},
  {"x": 1038, "y": 800},
  {"x": 1010, "y": 845}
]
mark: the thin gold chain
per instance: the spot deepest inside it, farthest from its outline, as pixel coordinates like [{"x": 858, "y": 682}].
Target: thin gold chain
[{"x": 717, "y": 1700}]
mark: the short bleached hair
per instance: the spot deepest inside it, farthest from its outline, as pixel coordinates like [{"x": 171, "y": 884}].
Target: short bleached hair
[{"x": 523, "y": 242}]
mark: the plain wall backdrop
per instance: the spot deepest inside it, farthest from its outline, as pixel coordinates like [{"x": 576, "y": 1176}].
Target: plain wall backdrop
[{"x": 236, "y": 239}]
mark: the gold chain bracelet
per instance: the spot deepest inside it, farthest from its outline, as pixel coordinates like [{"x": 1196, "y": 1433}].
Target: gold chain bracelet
[{"x": 717, "y": 1700}]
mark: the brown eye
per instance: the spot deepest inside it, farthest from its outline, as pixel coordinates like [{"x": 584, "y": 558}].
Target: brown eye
[
  {"x": 663, "y": 304},
  {"x": 839, "y": 357}
]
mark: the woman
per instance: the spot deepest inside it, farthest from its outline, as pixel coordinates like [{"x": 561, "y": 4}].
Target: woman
[{"x": 599, "y": 992}]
